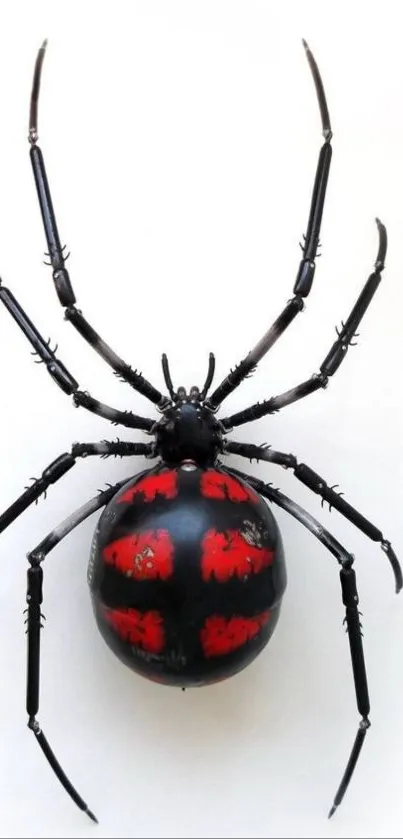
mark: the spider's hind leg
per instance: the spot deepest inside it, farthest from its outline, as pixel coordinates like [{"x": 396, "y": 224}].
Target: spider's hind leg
[
  {"x": 352, "y": 618},
  {"x": 34, "y": 626}
]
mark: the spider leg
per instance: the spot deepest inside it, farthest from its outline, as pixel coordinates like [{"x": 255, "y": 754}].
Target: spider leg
[
  {"x": 57, "y": 259},
  {"x": 63, "y": 464},
  {"x": 352, "y": 619},
  {"x": 61, "y": 375},
  {"x": 335, "y": 355},
  {"x": 167, "y": 376},
  {"x": 209, "y": 378},
  {"x": 34, "y": 625},
  {"x": 317, "y": 484},
  {"x": 306, "y": 270}
]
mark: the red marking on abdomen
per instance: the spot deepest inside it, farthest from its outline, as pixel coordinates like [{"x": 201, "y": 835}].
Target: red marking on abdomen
[
  {"x": 228, "y": 554},
  {"x": 144, "y": 629},
  {"x": 165, "y": 484},
  {"x": 221, "y": 636},
  {"x": 219, "y": 486},
  {"x": 143, "y": 556}
]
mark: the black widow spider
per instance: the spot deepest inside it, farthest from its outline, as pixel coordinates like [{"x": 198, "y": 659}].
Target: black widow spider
[{"x": 158, "y": 594}]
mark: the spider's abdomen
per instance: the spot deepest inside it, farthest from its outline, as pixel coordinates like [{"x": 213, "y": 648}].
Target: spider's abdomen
[{"x": 187, "y": 574}]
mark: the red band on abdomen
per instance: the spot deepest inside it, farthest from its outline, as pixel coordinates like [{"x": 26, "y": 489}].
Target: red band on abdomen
[
  {"x": 165, "y": 484},
  {"x": 229, "y": 554},
  {"x": 221, "y": 636},
  {"x": 143, "y": 556},
  {"x": 219, "y": 486},
  {"x": 142, "y": 629}
]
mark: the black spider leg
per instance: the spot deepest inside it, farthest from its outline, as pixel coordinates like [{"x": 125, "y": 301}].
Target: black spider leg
[
  {"x": 352, "y": 619},
  {"x": 61, "y": 375},
  {"x": 210, "y": 375},
  {"x": 306, "y": 270},
  {"x": 57, "y": 259},
  {"x": 335, "y": 355},
  {"x": 34, "y": 625},
  {"x": 63, "y": 464},
  {"x": 317, "y": 484},
  {"x": 167, "y": 376}
]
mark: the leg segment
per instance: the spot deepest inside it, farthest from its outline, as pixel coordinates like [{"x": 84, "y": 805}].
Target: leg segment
[
  {"x": 350, "y": 600},
  {"x": 317, "y": 484},
  {"x": 61, "y": 375},
  {"x": 127, "y": 418},
  {"x": 167, "y": 376},
  {"x": 63, "y": 464},
  {"x": 334, "y": 357},
  {"x": 57, "y": 259},
  {"x": 34, "y": 601},
  {"x": 209, "y": 378},
  {"x": 306, "y": 270}
]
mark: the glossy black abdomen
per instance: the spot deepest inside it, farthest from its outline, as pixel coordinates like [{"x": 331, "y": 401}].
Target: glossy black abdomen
[{"x": 187, "y": 574}]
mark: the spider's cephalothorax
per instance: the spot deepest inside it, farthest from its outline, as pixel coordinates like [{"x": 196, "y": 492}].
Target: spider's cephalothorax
[
  {"x": 188, "y": 430},
  {"x": 186, "y": 569}
]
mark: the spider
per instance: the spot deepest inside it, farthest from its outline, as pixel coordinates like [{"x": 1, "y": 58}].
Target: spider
[{"x": 186, "y": 568}]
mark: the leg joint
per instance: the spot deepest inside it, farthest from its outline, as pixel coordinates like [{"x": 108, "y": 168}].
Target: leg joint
[{"x": 35, "y": 558}]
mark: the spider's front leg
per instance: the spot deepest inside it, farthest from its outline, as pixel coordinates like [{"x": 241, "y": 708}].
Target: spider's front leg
[
  {"x": 61, "y": 375},
  {"x": 58, "y": 259},
  {"x": 352, "y": 618},
  {"x": 318, "y": 485},
  {"x": 335, "y": 356},
  {"x": 306, "y": 270},
  {"x": 63, "y": 464}
]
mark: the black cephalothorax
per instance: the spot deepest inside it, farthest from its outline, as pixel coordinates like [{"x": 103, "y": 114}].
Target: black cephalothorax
[
  {"x": 188, "y": 429},
  {"x": 189, "y": 437}
]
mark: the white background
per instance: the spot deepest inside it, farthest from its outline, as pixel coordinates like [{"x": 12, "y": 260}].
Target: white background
[{"x": 181, "y": 141}]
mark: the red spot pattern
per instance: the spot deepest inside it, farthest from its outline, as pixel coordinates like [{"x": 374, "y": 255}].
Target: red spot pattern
[
  {"x": 228, "y": 554},
  {"x": 221, "y": 636},
  {"x": 221, "y": 487},
  {"x": 143, "y": 556},
  {"x": 144, "y": 629},
  {"x": 165, "y": 484}
]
